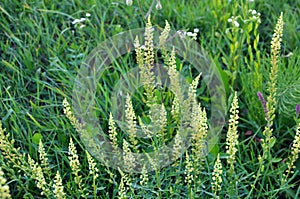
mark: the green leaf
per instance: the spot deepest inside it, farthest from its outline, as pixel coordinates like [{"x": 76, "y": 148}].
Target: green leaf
[
  {"x": 62, "y": 138},
  {"x": 250, "y": 27},
  {"x": 213, "y": 146},
  {"x": 275, "y": 160},
  {"x": 272, "y": 142},
  {"x": 36, "y": 138}
]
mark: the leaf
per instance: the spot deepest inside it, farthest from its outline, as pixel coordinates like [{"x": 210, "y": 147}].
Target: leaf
[
  {"x": 36, "y": 138},
  {"x": 213, "y": 146},
  {"x": 272, "y": 142},
  {"x": 275, "y": 160},
  {"x": 62, "y": 138}
]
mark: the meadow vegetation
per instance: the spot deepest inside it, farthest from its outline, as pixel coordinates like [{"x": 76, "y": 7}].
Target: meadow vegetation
[{"x": 254, "y": 45}]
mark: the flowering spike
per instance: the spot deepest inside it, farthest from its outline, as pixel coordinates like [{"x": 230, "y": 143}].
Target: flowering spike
[
  {"x": 232, "y": 134},
  {"x": 297, "y": 110}
]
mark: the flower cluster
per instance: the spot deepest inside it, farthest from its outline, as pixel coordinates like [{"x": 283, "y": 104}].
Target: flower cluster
[
  {"x": 112, "y": 132},
  {"x": 234, "y": 21},
  {"x": 189, "y": 170},
  {"x": 75, "y": 165},
  {"x": 58, "y": 188},
  {"x": 38, "y": 176},
  {"x": 4, "y": 189},
  {"x": 177, "y": 147},
  {"x": 255, "y": 15},
  {"x": 276, "y": 40},
  {"x": 43, "y": 155},
  {"x": 93, "y": 170},
  {"x": 128, "y": 158},
  {"x": 144, "y": 176},
  {"x": 294, "y": 154},
  {"x": 217, "y": 177},
  {"x": 124, "y": 186},
  {"x": 11, "y": 153},
  {"x": 193, "y": 34},
  {"x": 70, "y": 115},
  {"x": 81, "y": 21},
  {"x": 232, "y": 134},
  {"x": 131, "y": 120}
]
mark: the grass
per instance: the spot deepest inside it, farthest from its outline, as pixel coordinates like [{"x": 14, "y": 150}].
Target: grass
[{"x": 41, "y": 53}]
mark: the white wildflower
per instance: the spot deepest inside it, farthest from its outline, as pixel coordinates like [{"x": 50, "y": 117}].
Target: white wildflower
[
  {"x": 129, "y": 2},
  {"x": 192, "y": 34},
  {"x": 236, "y": 23},
  {"x": 253, "y": 12},
  {"x": 78, "y": 20}
]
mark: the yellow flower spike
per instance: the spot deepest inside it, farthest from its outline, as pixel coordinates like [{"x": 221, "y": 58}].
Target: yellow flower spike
[
  {"x": 58, "y": 188},
  {"x": 112, "y": 132},
  {"x": 271, "y": 100},
  {"x": 75, "y": 166},
  {"x": 295, "y": 150},
  {"x": 189, "y": 169},
  {"x": 144, "y": 176},
  {"x": 43, "y": 155},
  {"x": 38, "y": 176},
  {"x": 4, "y": 189},
  {"x": 131, "y": 121},
  {"x": 232, "y": 134},
  {"x": 217, "y": 177},
  {"x": 128, "y": 158}
]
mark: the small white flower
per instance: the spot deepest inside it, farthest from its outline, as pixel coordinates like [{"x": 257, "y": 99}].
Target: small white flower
[
  {"x": 87, "y": 14},
  {"x": 78, "y": 20},
  {"x": 196, "y": 30},
  {"x": 230, "y": 20},
  {"x": 129, "y": 2},
  {"x": 81, "y": 26},
  {"x": 236, "y": 24},
  {"x": 190, "y": 34},
  {"x": 254, "y": 12}
]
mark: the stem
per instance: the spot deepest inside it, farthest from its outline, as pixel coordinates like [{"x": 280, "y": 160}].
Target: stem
[{"x": 150, "y": 9}]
